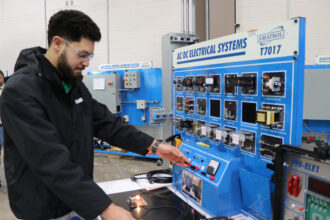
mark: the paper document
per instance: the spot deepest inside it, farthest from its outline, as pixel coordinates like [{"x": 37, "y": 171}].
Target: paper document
[{"x": 99, "y": 84}]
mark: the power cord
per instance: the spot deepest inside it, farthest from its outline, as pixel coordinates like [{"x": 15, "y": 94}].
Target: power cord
[{"x": 154, "y": 176}]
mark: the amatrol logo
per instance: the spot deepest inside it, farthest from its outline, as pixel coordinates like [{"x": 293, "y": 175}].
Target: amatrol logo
[{"x": 275, "y": 34}]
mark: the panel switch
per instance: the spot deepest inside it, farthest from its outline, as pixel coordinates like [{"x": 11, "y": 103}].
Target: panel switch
[{"x": 294, "y": 185}]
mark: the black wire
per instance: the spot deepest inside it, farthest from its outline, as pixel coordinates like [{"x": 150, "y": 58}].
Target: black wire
[
  {"x": 159, "y": 179},
  {"x": 158, "y": 194},
  {"x": 154, "y": 179}
]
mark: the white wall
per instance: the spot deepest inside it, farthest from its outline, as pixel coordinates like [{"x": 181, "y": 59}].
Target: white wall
[
  {"x": 22, "y": 25},
  {"x": 254, "y": 13},
  {"x": 135, "y": 27}
]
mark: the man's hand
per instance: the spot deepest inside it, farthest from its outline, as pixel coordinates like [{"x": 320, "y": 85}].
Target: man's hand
[
  {"x": 114, "y": 212},
  {"x": 172, "y": 154}
]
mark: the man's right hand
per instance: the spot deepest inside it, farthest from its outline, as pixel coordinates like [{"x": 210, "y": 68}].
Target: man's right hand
[{"x": 114, "y": 212}]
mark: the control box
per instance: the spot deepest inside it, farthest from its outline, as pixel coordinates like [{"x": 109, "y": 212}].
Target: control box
[
  {"x": 201, "y": 182},
  {"x": 132, "y": 80},
  {"x": 236, "y": 100},
  {"x": 106, "y": 89}
]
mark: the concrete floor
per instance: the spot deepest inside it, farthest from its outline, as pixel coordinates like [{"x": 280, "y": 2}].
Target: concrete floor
[{"x": 105, "y": 169}]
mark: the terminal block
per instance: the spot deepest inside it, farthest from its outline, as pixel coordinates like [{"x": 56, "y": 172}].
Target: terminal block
[
  {"x": 214, "y": 132},
  {"x": 230, "y": 111},
  {"x": 227, "y": 136},
  {"x": 273, "y": 84},
  {"x": 188, "y": 83},
  {"x": 231, "y": 84},
  {"x": 248, "y": 83},
  {"x": 177, "y": 123},
  {"x": 159, "y": 115},
  {"x": 271, "y": 116},
  {"x": 201, "y": 106},
  {"x": 178, "y": 83},
  {"x": 268, "y": 144},
  {"x": 179, "y": 103},
  {"x": 246, "y": 140},
  {"x": 200, "y": 85},
  {"x": 189, "y": 105},
  {"x": 200, "y": 129},
  {"x": 215, "y": 87}
]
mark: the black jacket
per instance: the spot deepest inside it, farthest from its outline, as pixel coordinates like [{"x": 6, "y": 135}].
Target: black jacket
[{"x": 48, "y": 142}]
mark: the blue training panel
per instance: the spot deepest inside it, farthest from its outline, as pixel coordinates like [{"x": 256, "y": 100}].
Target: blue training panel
[
  {"x": 150, "y": 90},
  {"x": 236, "y": 99}
]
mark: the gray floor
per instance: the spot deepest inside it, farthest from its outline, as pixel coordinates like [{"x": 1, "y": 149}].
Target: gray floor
[{"x": 105, "y": 169}]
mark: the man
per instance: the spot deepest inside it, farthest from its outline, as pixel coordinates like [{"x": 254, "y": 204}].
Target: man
[
  {"x": 50, "y": 120},
  {"x": 2, "y": 84}
]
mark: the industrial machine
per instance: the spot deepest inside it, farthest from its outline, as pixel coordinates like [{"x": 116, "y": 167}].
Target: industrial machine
[{"x": 237, "y": 99}]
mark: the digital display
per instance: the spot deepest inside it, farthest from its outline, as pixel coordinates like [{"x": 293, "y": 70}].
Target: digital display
[{"x": 319, "y": 187}]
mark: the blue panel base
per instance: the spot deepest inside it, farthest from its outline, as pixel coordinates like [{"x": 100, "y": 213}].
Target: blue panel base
[
  {"x": 256, "y": 194},
  {"x": 216, "y": 194}
]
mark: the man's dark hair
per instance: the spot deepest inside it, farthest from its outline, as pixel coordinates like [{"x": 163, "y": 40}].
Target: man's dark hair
[{"x": 72, "y": 25}]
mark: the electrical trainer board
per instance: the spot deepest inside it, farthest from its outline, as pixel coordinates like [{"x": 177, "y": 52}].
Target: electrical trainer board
[{"x": 236, "y": 99}]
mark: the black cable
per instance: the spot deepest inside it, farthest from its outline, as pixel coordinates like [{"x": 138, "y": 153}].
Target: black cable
[
  {"x": 151, "y": 176},
  {"x": 159, "y": 179}
]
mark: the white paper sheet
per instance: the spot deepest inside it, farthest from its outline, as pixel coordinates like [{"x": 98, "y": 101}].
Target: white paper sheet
[
  {"x": 99, "y": 84},
  {"x": 118, "y": 186}
]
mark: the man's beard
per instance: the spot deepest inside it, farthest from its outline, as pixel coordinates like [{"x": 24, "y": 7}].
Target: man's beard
[{"x": 65, "y": 70}]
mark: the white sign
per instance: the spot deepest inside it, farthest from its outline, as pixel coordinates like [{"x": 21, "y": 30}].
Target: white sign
[
  {"x": 126, "y": 66},
  {"x": 323, "y": 60},
  {"x": 98, "y": 84},
  {"x": 268, "y": 42}
]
